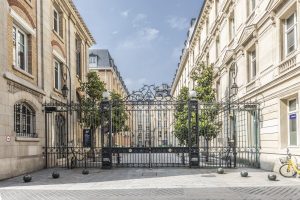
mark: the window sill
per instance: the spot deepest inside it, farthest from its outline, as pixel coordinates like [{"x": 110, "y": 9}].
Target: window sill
[
  {"x": 58, "y": 91},
  {"x": 23, "y": 72},
  {"x": 25, "y": 139},
  {"x": 59, "y": 37}
]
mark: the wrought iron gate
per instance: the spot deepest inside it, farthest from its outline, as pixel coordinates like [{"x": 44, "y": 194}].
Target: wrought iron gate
[
  {"x": 212, "y": 135},
  {"x": 151, "y": 129},
  {"x": 68, "y": 140}
]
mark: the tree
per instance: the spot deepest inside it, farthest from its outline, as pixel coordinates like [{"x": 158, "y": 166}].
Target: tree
[
  {"x": 181, "y": 117},
  {"x": 209, "y": 126},
  {"x": 93, "y": 89},
  {"x": 119, "y": 114}
]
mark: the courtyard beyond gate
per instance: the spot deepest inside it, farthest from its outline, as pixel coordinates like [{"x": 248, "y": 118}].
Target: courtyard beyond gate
[{"x": 151, "y": 129}]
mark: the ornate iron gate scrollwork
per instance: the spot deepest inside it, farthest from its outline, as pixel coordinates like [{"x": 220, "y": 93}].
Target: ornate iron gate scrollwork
[{"x": 148, "y": 134}]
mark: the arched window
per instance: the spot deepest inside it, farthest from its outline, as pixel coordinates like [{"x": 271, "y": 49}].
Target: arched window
[{"x": 24, "y": 120}]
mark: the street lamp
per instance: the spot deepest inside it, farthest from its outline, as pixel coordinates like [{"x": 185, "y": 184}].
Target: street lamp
[
  {"x": 65, "y": 91},
  {"x": 192, "y": 94},
  {"x": 234, "y": 88},
  {"x": 106, "y": 96}
]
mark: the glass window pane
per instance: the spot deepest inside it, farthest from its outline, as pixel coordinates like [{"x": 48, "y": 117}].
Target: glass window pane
[
  {"x": 290, "y": 22},
  {"x": 253, "y": 4},
  {"x": 56, "y": 75},
  {"x": 292, "y": 105},
  {"x": 293, "y": 129},
  {"x": 291, "y": 40}
]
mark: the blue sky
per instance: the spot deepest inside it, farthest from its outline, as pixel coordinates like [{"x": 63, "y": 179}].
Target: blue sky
[{"x": 145, "y": 37}]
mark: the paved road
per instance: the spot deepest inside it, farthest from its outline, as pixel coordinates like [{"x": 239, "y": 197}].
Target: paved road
[{"x": 167, "y": 183}]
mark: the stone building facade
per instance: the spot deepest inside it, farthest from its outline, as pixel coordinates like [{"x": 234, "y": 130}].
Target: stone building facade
[
  {"x": 101, "y": 61},
  {"x": 256, "y": 44},
  {"x": 40, "y": 40}
]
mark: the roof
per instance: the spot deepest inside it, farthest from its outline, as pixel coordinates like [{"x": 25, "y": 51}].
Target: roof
[
  {"x": 82, "y": 21},
  {"x": 103, "y": 55},
  {"x": 104, "y": 60}
]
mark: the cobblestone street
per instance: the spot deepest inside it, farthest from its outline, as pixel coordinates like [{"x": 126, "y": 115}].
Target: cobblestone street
[{"x": 174, "y": 183}]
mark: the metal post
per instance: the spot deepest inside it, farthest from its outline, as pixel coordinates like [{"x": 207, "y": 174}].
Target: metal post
[
  {"x": 110, "y": 134},
  {"x": 256, "y": 136},
  {"x": 68, "y": 135},
  {"x": 46, "y": 140},
  {"x": 149, "y": 116},
  {"x": 189, "y": 131},
  {"x": 197, "y": 130},
  {"x": 234, "y": 139}
]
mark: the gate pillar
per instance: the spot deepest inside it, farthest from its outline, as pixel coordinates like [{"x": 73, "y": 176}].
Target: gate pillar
[
  {"x": 106, "y": 153},
  {"x": 193, "y": 138}
]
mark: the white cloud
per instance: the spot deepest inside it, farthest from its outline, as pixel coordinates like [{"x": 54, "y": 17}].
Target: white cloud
[
  {"x": 139, "y": 20},
  {"x": 135, "y": 84},
  {"x": 125, "y": 13},
  {"x": 141, "y": 39},
  {"x": 115, "y": 32},
  {"x": 179, "y": 23},
  {"x": 148, "y": 34}
]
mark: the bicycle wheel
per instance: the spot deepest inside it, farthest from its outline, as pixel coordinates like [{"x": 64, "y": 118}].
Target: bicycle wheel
[{"x": 287, "y": 171}]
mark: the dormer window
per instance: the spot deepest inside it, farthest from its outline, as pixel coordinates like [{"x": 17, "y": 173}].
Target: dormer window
[{"x": 93, "y": 60}]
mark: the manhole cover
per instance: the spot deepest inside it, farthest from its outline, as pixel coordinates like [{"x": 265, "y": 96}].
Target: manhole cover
[
  {"x": 208, "y": 175},
  {"x": 149, "y": 174}
]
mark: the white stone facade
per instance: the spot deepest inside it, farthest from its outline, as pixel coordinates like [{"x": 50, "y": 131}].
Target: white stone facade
[{"x": 259, "y": 40}]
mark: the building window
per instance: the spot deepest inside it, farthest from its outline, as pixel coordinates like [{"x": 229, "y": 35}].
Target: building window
[
  {"x": 218, "y": 90},
  {"x": 207, "y": 59},
  {"x": 217, "y": 47},
  {"x": 57, "y": 75},
  {"x": 57, "y": 23},
  {"x": 292, "y": 122},
  {"x": 93, "y": 61},
  {"x": 217, "y": 8},
  {"x": 252, "y": 66},
  {"x": 290, "y": 34},
  {"x": 251, "y": 6},
  {"x": 78, "y": 57},
  {"x": 207, "y": 26},
  {"x": 252, "y": 128},
  {"x": 24, "y": 120},
  {"x": 20, "y": 49},
  {"x": 231, "y": 26}
]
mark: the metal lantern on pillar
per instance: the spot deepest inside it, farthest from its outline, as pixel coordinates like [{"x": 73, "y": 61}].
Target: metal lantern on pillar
[
  {"x": 234, "y": 89},
  {"x": 65, "y": 91}
]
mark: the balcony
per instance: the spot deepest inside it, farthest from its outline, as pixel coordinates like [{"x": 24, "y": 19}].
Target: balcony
[{"x": 287, "y": 64}]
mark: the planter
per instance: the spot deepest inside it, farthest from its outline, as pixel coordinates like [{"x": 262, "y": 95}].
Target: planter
[
  {"x": 85, "y": 172},
  {"x": 55, "y": 175},
  {"x": 27, "y": 178},
  {"x": 272, "y": 177},
  {"x": 220, "y": 171},
  {"x": 244, "y": 173}
]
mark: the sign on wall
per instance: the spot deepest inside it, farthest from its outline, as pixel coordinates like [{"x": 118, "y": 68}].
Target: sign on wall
[{"x": 87, "y": 137}]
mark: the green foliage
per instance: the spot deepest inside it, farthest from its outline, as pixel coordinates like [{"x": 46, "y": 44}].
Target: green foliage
[
  {"x": 119, "y": 114},
  {"x": 93, "y": 89},
  {"x": 208, "y": 124},
  {"x": 181, "y": 117}
]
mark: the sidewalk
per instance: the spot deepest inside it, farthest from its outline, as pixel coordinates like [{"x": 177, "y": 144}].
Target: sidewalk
[{"x": 144, "y": 182}]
